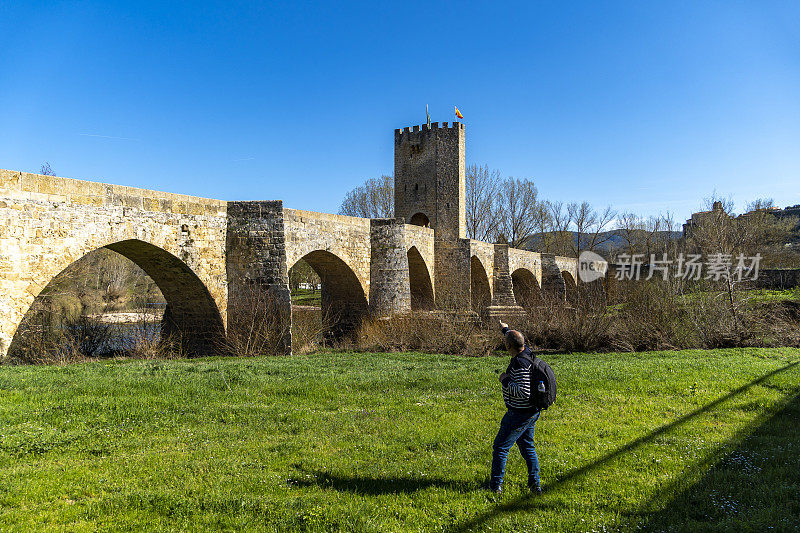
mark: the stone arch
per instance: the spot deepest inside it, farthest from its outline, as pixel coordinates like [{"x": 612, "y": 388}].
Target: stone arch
[
  {"x": 420, "y": 281},
  {"x": 479, "y": 285},
  {"x": 420, "y": 219},
  {"x": 192, "y": 320},
  {"x": 527, "y": 292},
  {"x": 344, "y": 301},
  {"x": 570, "y": 286}
]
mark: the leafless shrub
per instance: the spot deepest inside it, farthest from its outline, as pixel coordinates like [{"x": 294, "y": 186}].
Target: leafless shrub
[
  {"x": 657, "y": 314},
  {"x": 48, "y": 338},
  {"x": 721, "y": 317},
  {"x": 143, "y": 339},
  {"x": 257, "y": 323},
  {"x": 38, "y": 341},
  {"x": 433, "y": 332},
  {"x": 780, "y": 323},
  {"x": 583, "y": 326},
  {"x": 89, "y": 336},
  {"x": 651, "y": 316},
  {"x": 312, "y": 329},
  {"x": 46, "y": 169}
]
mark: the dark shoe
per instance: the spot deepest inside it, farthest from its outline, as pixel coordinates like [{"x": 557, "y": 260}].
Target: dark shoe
[
  {"x": 488, "y": 486},
  {"x": 535, "y": 489}
]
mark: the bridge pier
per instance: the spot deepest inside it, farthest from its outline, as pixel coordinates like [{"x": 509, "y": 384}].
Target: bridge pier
[
  {"x": 258, "y": 279},
  {"x": 504, "y": 305},
  {"x": 389, "y": 283},
  {"x": 553, "y": 285}
]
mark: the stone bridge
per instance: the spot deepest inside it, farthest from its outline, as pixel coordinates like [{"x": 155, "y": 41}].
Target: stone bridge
[{"x": 205, "y": 254}]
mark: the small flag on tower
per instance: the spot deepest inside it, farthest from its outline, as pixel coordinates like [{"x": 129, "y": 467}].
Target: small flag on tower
[
  {"x": 428, "y": 115},
  {"x": 458, "y": 113}
]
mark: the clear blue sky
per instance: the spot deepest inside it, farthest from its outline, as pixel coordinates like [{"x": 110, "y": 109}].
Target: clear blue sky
[{"x": 647, "y": 106}]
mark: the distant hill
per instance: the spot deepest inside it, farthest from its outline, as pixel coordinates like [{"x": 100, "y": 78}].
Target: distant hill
[{"x": 612, "y": 240}]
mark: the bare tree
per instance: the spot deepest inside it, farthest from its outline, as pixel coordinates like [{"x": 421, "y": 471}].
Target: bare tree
[
  {"x": 761, "y": 204},
  {"x": 630, "y": 227},
  {"x": 543, "y": 224},
  {"x": 482, "y": 186},
  {"x": 714, "y": 230},
  {"x": 516, "y": 210},
  {"x": 654, "y": 227},
  {"x": 47, "y": 170},
  {"x": 667, "y": 241},
  {"x": 653, "y": 235},
  {"x": 589, "y": 225},
  {"x": 559, "y": 239},
  {"x": 374, "y": 199}
]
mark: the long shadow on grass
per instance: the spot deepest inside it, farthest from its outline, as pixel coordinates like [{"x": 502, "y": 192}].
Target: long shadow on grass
[
  {"x": 530, "y": 502},
  {"x": 753, "y": 486},
  {"x": 377, "y": 486}
]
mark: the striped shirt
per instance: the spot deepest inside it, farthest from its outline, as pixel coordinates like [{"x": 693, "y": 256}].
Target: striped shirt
[{"x": 517, "y": 384}]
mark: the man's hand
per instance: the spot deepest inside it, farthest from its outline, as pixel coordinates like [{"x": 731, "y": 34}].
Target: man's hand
[
  {"x": 503, "y": 325},
  {"x": 502, "y": 376}
]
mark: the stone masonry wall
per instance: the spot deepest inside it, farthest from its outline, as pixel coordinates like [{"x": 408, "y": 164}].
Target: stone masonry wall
[
  {"x": 452, "y": 269},
  {"x": 567, "y": 264},
  {"x": 421, "y": 239}
]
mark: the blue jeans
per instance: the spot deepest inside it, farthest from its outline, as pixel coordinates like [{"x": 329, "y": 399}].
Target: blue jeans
[{"x": 515, "y": 427}]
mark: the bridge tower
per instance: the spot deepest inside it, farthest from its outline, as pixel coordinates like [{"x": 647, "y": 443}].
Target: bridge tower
[
  {"x": 429, "y": 178},
  {"x": 429, "y": 181}
]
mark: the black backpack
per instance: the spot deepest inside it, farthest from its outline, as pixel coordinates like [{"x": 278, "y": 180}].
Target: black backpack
[{"x": 541, "y": 371}]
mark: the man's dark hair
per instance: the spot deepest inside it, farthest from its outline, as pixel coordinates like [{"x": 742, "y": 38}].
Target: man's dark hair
[{"x": 514, "y": 340}]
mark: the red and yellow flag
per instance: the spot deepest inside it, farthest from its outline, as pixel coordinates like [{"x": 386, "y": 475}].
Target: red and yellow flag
[{"x": 458, "y": 113}]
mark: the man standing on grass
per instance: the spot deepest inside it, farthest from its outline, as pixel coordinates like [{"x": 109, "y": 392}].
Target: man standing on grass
[{"x": 519, "y": 421}]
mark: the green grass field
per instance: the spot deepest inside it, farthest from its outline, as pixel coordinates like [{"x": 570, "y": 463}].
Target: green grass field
[
  {"x": 686, "y": 441},
  {"x": 768, "y": 296},
  {"x": 307, "y": 297}
]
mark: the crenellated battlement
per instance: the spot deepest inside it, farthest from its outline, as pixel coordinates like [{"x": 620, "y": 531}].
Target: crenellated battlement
[{"x": 403, "y": 133}]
